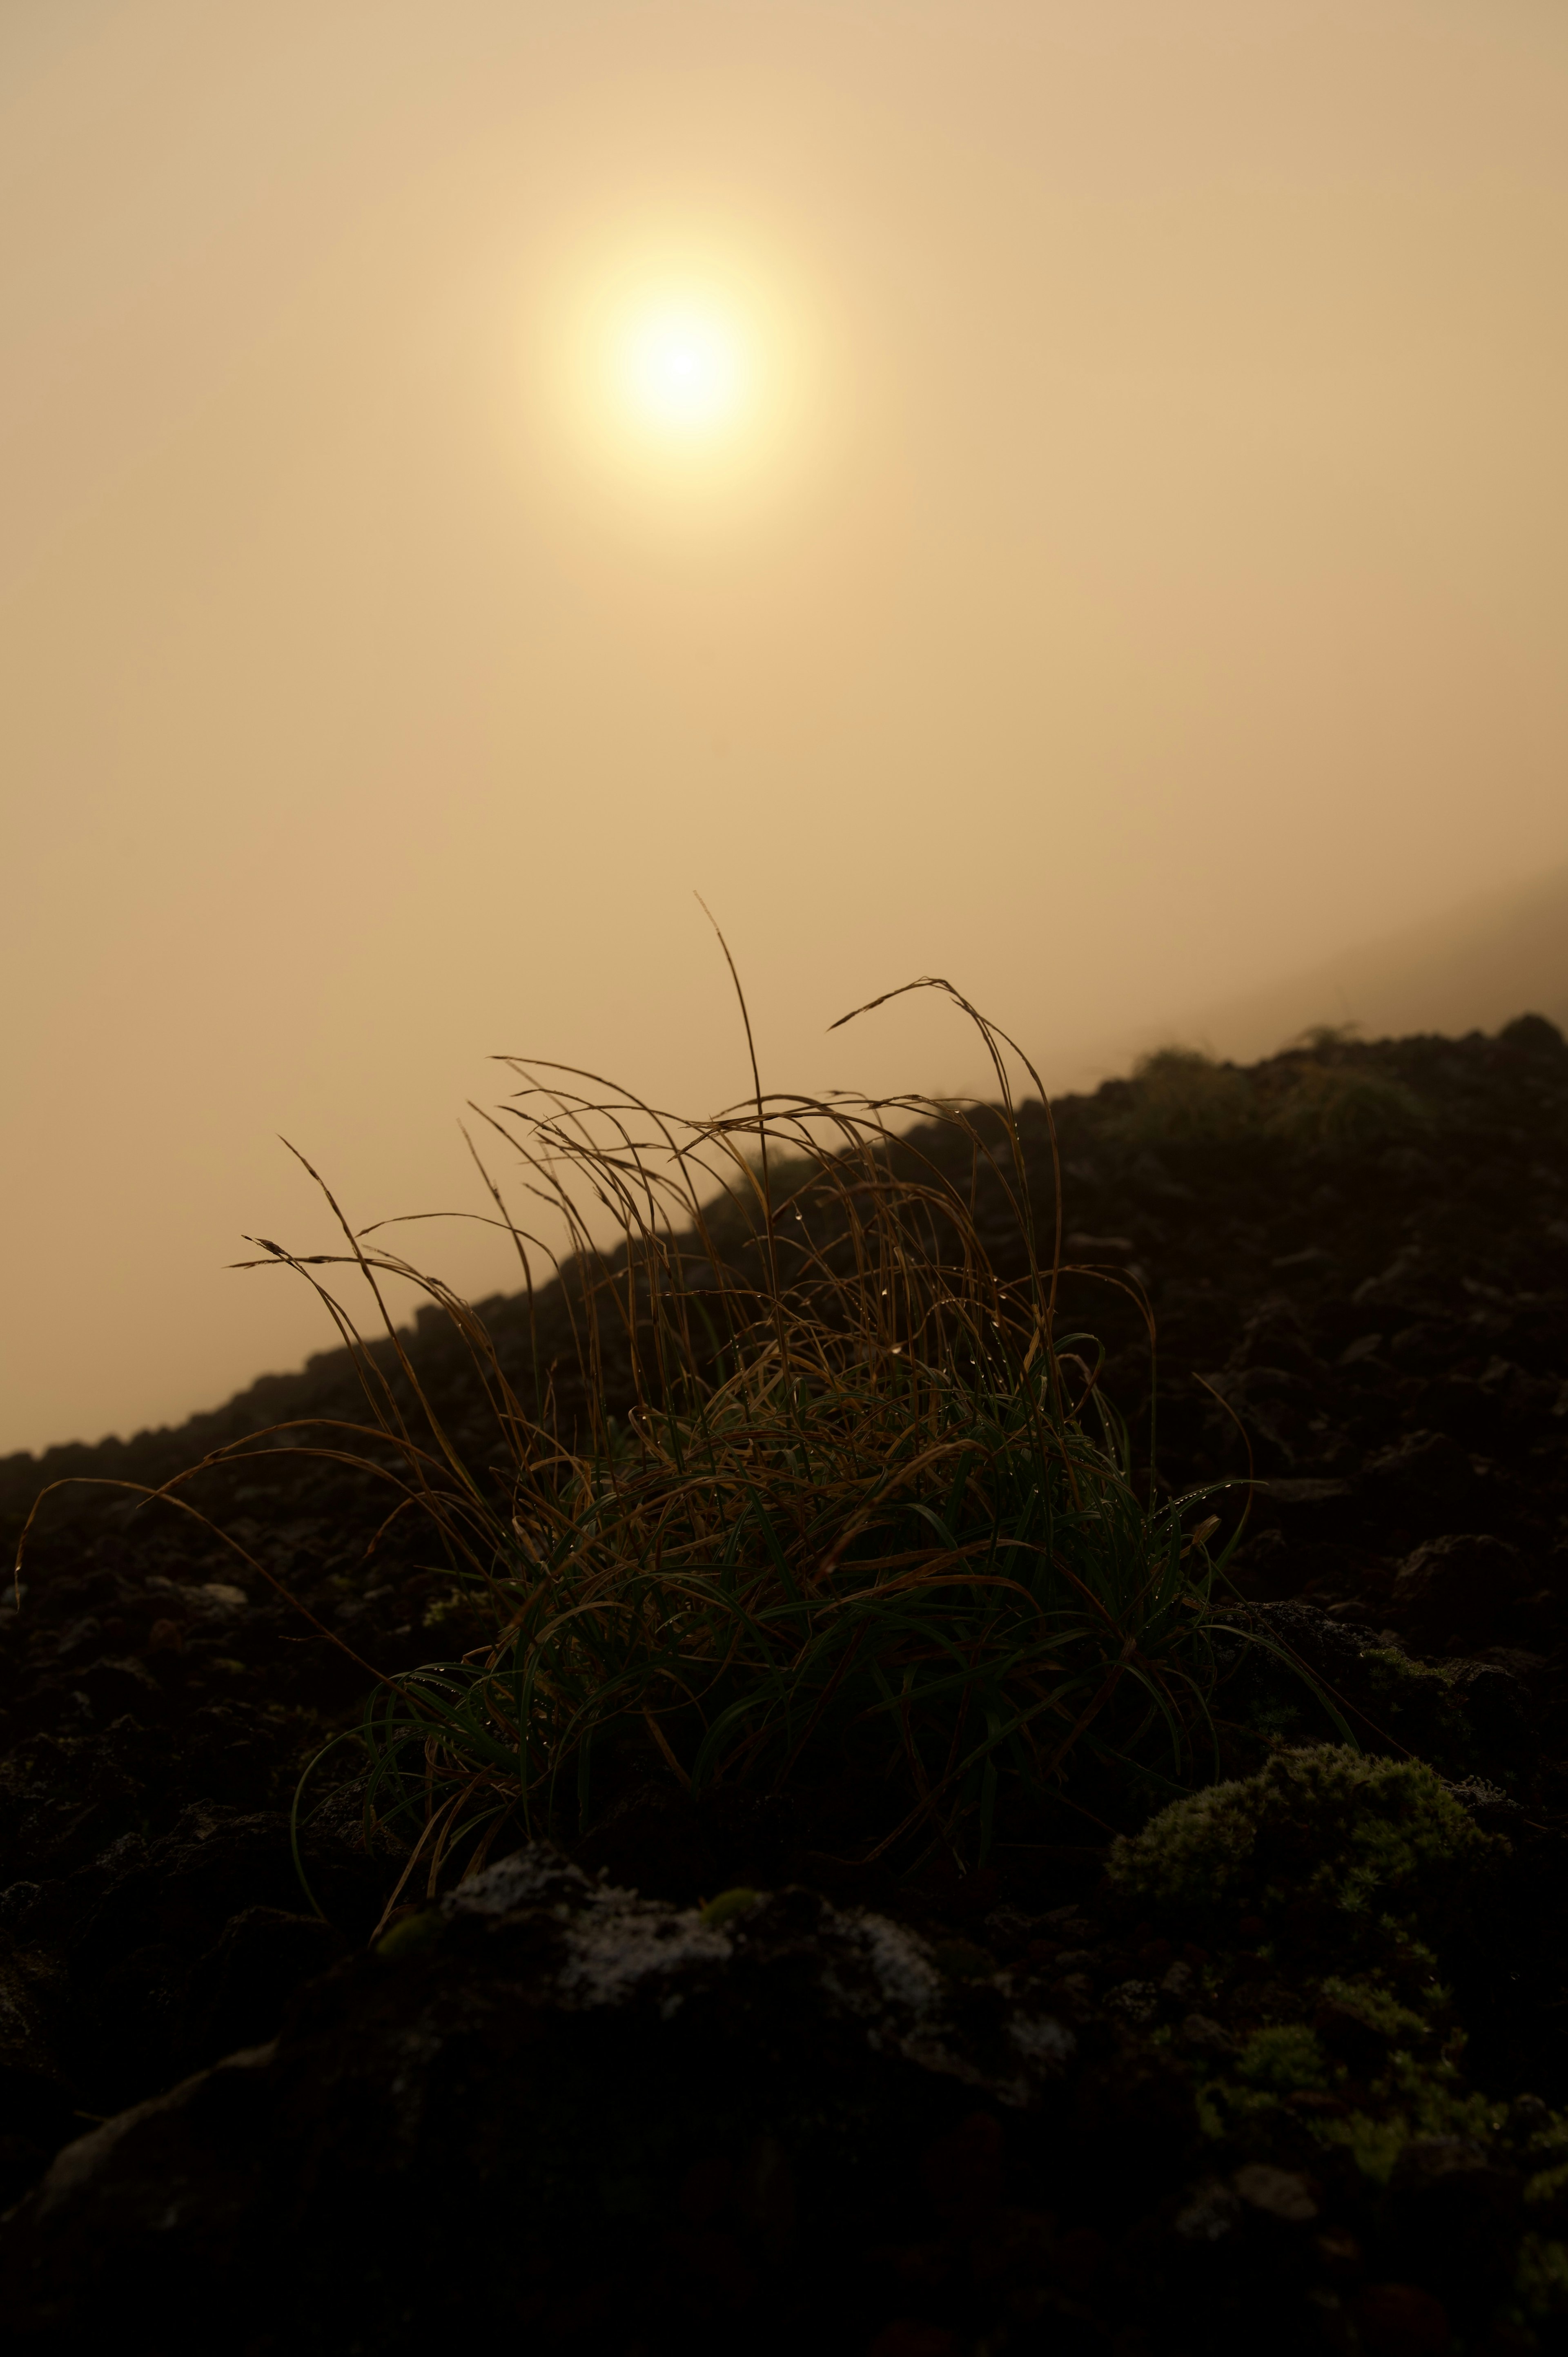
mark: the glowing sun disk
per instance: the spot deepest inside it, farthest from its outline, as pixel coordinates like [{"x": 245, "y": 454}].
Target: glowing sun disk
[{"x": 681, "y": 370}]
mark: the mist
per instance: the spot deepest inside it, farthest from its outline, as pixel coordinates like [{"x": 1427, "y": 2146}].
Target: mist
[{"x": 1152, "y": 603}]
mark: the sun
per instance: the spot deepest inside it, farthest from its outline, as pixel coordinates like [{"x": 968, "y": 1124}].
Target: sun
[{"x": 682, "y": 370}]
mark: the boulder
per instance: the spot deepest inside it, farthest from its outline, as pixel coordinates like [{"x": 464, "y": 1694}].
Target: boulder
[
  {"x": 1457, "y": 1586},
  {"x": 549, "y": 2102}
]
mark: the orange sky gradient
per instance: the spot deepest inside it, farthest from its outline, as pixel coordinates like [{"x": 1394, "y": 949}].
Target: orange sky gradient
[{"x": 1146, "y": 578}]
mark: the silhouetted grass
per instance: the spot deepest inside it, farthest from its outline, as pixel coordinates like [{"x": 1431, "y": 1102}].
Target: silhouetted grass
[{"x": 869, "y": 1517}]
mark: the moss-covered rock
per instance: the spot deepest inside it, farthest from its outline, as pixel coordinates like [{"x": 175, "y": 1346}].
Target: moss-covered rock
[
  {"x": 1323, "y": 1827},
  {"x": 1463, "y": 1717}
]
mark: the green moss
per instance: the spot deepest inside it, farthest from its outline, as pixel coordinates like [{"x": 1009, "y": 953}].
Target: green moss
[
  {"x": 441, "y": 1607},
  {"x": 1401, "y": 1684},
  {"x": 1211, "y": 2120},
  {"x": 1284, "y": 2056},
  {"x": 1284, "y": 2060},
  {"x": 409, "y": 1936},
  {"x": 1548, "y": 2188},
  {"x": 1423, "y": 2101},
  {"x": 1374, "y": 2145},
  {"x": 1540, "y": 2281},
  {"x": 1388, "y": 1671},
  {"x": 1373, "y": 1839},
  {"x": 1435, "y": 2101},
  {"x": 1548, "y": 2146},
  {"x": 1370, "y": 2002},
  {"x": 1279, "y": 1718},
  {"x": 728, "y": 1904},
  {"x": 1395, "y": 1704},
  {"x": 1429, "y": 1707}
]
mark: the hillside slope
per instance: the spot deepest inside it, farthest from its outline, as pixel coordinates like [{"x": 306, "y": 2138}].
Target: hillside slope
[
  {"x": 1471, "y": 968},
  {"x": 1275, "y": 2069}
]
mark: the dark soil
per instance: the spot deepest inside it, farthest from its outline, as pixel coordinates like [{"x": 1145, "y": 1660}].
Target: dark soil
[{"x": 1378, "y": 1310}]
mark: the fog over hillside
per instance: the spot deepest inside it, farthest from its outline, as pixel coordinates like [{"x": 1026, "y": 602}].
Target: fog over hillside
[
  {"x": 1119, "y": 561},
  {"x": 1471, "y": 969}
]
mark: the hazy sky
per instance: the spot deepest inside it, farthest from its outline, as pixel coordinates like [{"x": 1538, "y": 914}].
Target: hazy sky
[{"x": 1137, "y": 567}]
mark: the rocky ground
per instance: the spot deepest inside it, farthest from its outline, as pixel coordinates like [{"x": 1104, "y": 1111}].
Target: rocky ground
[{"x": 1283, "y": 2068}]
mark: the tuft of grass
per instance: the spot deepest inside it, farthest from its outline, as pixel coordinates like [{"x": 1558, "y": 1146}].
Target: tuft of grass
[
  {"x": 867, "y": 1517},
  {"x": 1339, "y": 1105},
  {"x": 831, "y": 1501},
  {"x": 1181, "y": 1097},
  {"x": 914, "y": 1570}
]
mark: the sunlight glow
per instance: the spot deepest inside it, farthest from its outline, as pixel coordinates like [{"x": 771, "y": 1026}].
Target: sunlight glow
[
  {"x": 685, "y": 373},
  {"x": 683, "y": 370}
]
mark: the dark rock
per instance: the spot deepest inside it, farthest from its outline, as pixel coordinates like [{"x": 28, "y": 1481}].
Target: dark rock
[
  {"x": 36, "y": 2101},
  {"x": 1425, "y": 1475},
  {"x": 1281, "y": 2194},
  {"x": 1363, "y": 1346},
  {"x": 1350, "y": 2038},
  {"x": 1306, "y": 1491},
  {"x": 1460, "y": 1584},
  {"x": 1498, "y": 1706},
  {"x": 1449, "y": 1715},
  {"x": 1072, "y": 1927},
  {"x": 115, "y": 1688},
  {"x": 1009, "y": 1931},
  {"x": 1399, "y": 2320},
  {"x": 1136, "y": 2120},
  {"x": 1210, "y": 2213},
  {"x": 1135, "y": 2001},
  {"x": 135, "y": 1924},
  {"x": 238, "y": 1992},
  {"x": 964, "y": 2173},
  {"x": 1327, "y": 1646},
  {"x": 1534, "y": 1035},
  {"x": 653, "y": 1837},
  {"x": 1454, "y": 2212},
  {"x": 509, "y": 2112},
  {"x": 908, "y": 2337}
]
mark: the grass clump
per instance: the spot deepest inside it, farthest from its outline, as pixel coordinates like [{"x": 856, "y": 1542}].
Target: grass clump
[
  {"x": 826, "y": 1498},
  {"x": 867, "y": 1517},
  {"x": 1182, "y": 1098},
  {"x": 818, "y": 1498},
  {"x": 1338, "y": 1105}
]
